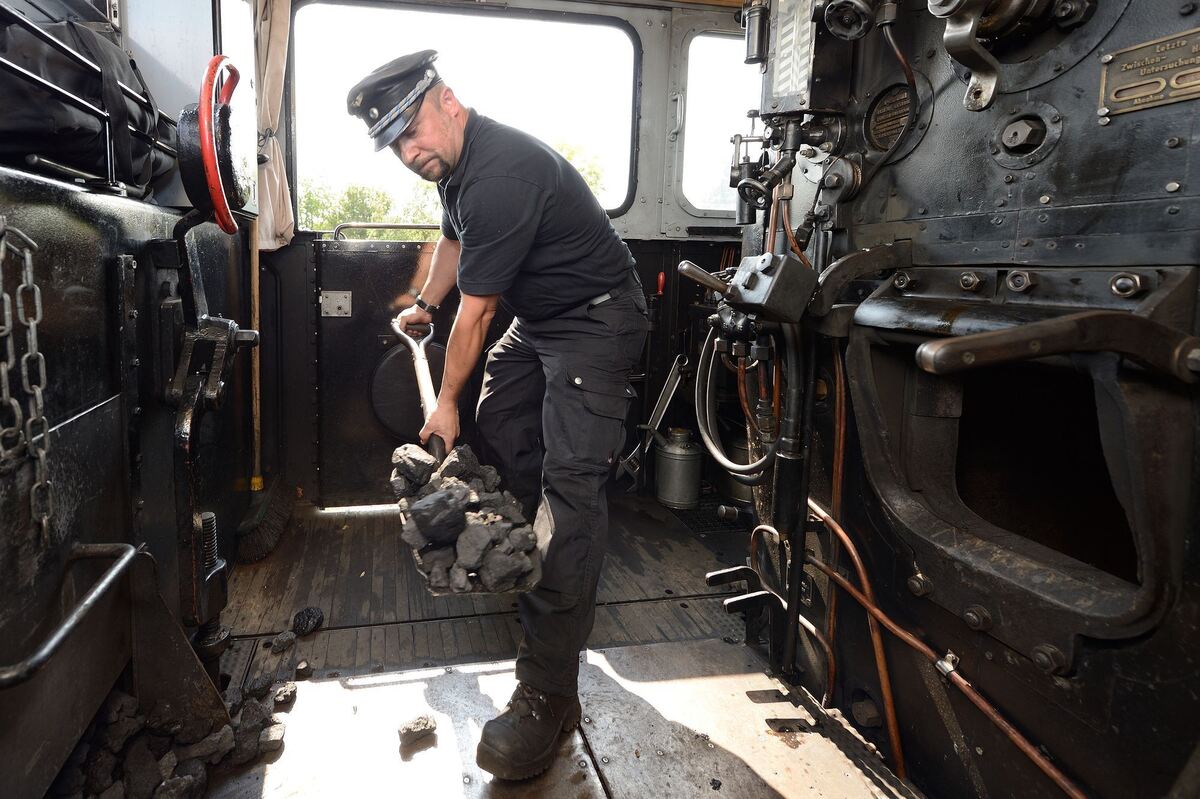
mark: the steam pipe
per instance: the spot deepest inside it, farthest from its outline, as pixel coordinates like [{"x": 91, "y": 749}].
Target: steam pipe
[
  {"x": 885, "y": 679},
  {"x": 958, "y": 681}
]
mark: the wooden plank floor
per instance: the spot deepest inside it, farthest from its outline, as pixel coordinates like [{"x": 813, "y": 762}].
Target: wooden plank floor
[
  {"x": 374, "y": 649},
  {"x": 354, "y": 567}
]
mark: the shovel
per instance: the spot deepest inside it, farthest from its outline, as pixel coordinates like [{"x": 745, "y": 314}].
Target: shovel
[{"x": 434, "y": 446}]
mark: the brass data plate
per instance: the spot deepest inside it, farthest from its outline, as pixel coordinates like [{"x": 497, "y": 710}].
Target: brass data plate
[{"x": 1160, "y": 72}]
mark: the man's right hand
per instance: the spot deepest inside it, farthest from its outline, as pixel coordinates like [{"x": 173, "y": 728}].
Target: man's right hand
[{"x": 413, "y": 316}]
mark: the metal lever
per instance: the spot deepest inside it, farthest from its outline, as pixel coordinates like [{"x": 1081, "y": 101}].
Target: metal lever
[
  {"x": 631, "y": 464},
  {"x": 706, "y": 279},
  {"x": 1153, "y": 345}
]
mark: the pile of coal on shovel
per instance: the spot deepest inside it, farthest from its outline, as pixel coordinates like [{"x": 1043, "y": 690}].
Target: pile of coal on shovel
[{"x": 467, "y": 536}]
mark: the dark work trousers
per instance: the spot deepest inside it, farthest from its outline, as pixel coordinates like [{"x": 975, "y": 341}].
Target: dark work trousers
[{"x": 552, "y": 418}]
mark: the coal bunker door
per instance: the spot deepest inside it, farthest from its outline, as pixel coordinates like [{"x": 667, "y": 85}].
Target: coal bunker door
[{"x": 367, "y": 401}]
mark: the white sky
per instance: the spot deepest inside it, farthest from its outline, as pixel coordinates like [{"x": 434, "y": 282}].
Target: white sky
[{"x": 563, "y": 82}]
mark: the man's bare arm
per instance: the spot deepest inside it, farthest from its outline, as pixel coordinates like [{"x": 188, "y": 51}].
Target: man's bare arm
[
  {"x": 443, "y": 271},
  {"x": 466, "y": 343},
  {"x": 462, "y": 353}
]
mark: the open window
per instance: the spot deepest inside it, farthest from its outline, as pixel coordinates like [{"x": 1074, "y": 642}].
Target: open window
[
  {"x": 569, "y": 83},
  {"x": 720, "y": 90}
]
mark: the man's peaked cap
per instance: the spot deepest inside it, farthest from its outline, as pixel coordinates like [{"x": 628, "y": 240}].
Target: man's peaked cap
[{"x": 388, "y": 99}]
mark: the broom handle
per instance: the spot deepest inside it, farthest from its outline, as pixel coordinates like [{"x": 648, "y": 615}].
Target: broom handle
[{"x": 256, "y": 479}]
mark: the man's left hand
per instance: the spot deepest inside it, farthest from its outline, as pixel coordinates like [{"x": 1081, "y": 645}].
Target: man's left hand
[{"x": 443, "y": 422}]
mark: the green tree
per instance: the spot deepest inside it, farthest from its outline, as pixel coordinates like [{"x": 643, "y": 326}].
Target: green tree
[
  {"x": 586, "y": 163},
  {"x": 324, "y": 208}
]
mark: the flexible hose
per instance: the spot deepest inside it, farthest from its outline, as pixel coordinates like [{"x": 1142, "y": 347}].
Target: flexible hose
[
  {"x": 914, "y": 102},
  {"x": 706, "y": 418}
]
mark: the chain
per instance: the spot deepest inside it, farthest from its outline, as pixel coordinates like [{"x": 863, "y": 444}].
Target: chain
[{"x": 24, "y": 427}]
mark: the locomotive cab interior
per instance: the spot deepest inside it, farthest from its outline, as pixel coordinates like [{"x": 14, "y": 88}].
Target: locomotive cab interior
[{"x": 907, "y": 502}]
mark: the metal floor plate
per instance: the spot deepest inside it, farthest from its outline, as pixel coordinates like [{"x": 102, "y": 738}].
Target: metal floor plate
[{"x": 666, "y": 720}]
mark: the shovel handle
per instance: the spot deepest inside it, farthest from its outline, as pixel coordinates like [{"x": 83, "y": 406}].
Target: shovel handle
[{"x": 436, "y": 447}]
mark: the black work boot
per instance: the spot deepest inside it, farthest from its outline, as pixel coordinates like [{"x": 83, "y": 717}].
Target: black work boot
[{"x": 522, "y": 741}]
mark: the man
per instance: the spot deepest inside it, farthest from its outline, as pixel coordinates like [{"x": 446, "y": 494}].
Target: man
[{"x": 520, "y": 226}]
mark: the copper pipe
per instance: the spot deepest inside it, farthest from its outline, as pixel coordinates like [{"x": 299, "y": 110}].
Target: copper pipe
[
  {"x": 791, "y": 235},
  {"x": 885, "y": 680},
  {"x": 959, "y": 682},
  {"x": 773, "y": 220},
  {"x": 777, "y": 388},
  {"x": 839, "y": 461},
  {"x": 762, "y": 382},
  {"x": 808, "y": 626},
  {"x": 742, "y": 398}
]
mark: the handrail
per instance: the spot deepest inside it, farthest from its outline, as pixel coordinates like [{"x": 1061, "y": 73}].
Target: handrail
[
  {"x": 337, "y": 231},
  {"x": 77, "y": 57},
  {"x": 23, "y": 670}
]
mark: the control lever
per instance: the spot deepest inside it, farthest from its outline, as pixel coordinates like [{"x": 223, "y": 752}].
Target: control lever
[
  {"x": 631, "y": 464},
  {"x": 706, "y": 279},
  {"x": 1153, "y": 345},
  {"x": 434, "y": 446}
]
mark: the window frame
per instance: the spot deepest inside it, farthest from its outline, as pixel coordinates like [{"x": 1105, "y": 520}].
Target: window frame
[
  {"x": 680, "y": 142},
  {"x": 289, "y": 93}
]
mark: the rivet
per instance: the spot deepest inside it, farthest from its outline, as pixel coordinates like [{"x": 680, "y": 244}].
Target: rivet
[
  {"x": 1044, "y": 199},
  {"x": 1009, "y": 178},
  {"x": 1106, "y": 58},
  {"x": 579, "y": 381},
  {"x": 1173, "y": 186},
  {"x": 1104, "y": 120},
  {"x": 1103, "y": 111},
  {"x": 1174, "y": 141},
  {"x": 604, "y": 760}
]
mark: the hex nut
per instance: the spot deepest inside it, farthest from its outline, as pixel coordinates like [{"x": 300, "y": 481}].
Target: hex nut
[
  {"x": 1020, "y": 281},
  {"x": 903, "y": 280},
  {"x": 1024, "y": 135},
  {"x": 1049, "y": 659},
  {"x": 970, "y": 281},
  {"x": 1127, "y": 284},
  {"x": 977, "y": 617},
  {"x": 1193, "y": 360},
  {"x": 920, "y": 585}
]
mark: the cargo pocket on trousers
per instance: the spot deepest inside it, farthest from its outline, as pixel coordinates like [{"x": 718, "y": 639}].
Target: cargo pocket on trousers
[{"x": 606, "y": 399}]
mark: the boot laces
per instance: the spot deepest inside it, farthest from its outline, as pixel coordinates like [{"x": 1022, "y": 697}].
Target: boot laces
[{"x": 529, "y": 701}]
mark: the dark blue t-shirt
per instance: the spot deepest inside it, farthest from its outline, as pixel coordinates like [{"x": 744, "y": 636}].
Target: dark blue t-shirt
[{"x": 531, "y": 230}]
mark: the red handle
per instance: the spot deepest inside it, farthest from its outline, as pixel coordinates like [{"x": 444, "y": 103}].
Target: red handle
[
  {"x": 662, "y": 282},
  {"x": 209, "y": 102}
]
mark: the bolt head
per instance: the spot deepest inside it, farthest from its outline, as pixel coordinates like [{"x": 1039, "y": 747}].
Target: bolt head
[
  {"x": 920, "y": 585},
  {"x": 977, "y": 617},
  {"x": 1020, "y": 281},
  {"x": 1024, "y": 135},
  {"x": 970, "y": 281},
  {"x": 1126, "y": 284},
  {"x": 903, "y": 280},
  {"x": 1193, "y": 360},
  {"x": 1049, "y": 659}
]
